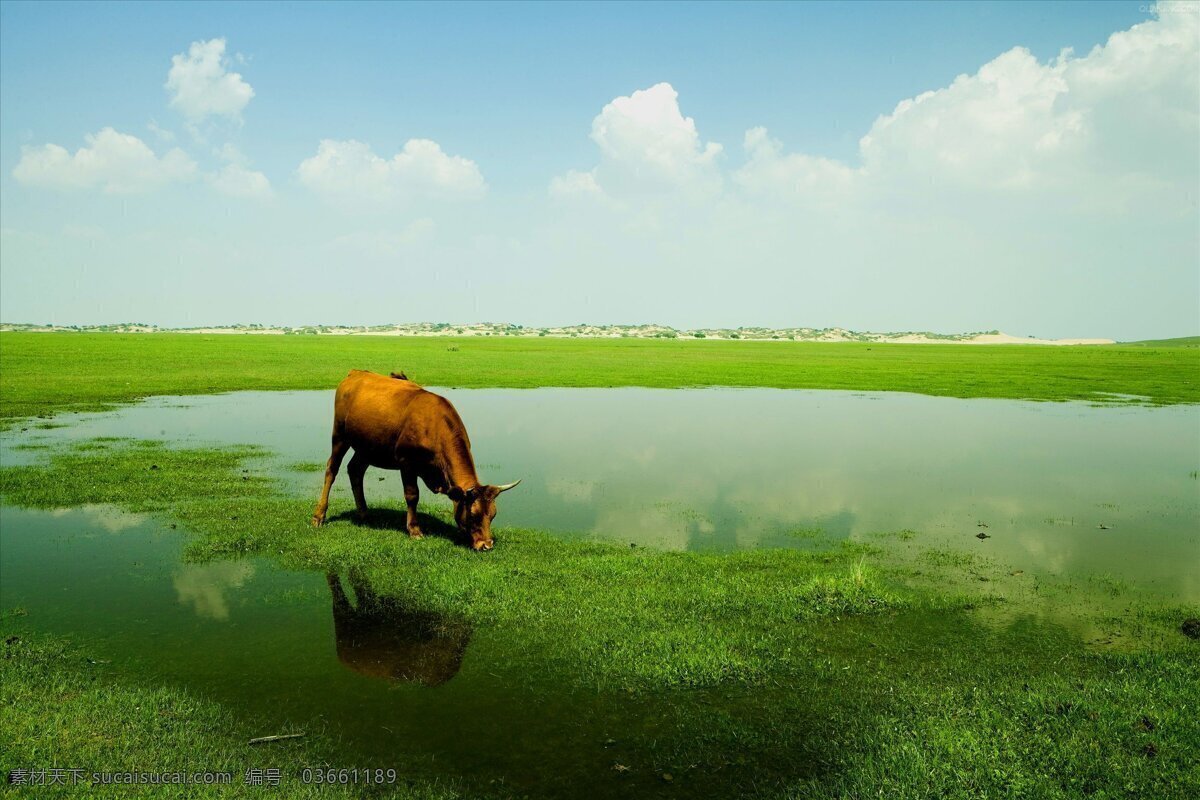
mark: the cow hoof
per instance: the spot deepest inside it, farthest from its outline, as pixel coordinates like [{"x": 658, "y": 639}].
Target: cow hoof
[
  {"x": 360, "y": 517},
  {"x": 415, "y": 533},
  {"x": 318, "y": 521}
]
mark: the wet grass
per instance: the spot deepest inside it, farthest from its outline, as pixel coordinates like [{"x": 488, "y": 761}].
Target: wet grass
[
  {"x": 940, "y": 557},
  {"x": 761, "y": 673},
  {"x": 59, "y": 708},
  {"x": 939, "y": 706},
  {"x": 618, "y": 617},
  {"x": 41, "y": 374}
]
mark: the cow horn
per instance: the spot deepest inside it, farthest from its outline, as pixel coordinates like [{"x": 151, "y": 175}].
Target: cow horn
[{"x": 507, "y": 486}]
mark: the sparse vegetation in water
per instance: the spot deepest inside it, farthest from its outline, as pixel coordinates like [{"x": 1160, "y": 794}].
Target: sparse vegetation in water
[
  {"x": 807, "y": 533},
  {"x": 615, "y": 609},
  {"x": 1110, "y": 584},
  {"x": 940, "y": 557},
  {"x": 903, "y": 535}
]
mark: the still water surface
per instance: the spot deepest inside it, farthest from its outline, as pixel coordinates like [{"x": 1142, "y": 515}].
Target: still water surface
[
  {"x": 712, "y": 469},
  {"x": 320, "y": 654},
  {"x": 1064, "y": 488}
]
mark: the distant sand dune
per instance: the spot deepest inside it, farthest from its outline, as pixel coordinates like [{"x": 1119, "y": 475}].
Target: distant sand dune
[{"x": 1004, "y": 338}]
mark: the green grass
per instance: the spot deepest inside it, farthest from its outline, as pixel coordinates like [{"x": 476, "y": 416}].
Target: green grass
[
  {"x": 1181, "y": 341},
  {"x": 41, "y": 374},
  {"x": 1014, "y": 712},
  {"x": 822, "y": 673},
  {"x": 767, "y": 673}
]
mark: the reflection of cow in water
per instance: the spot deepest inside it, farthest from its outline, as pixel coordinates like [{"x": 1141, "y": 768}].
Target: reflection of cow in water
[{"x": 381, "y": 639}]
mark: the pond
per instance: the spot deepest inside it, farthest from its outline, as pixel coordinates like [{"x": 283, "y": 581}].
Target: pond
[
  {"x": 1067, "y": 490},
  {"x": 324, "y": 655}
]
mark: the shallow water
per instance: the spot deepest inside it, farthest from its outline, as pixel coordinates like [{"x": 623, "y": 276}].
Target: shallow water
[
  {"x": 1065, "y": 489},
  {"x": 712, "y": 469},
  {"x": 323, "y": 654}
]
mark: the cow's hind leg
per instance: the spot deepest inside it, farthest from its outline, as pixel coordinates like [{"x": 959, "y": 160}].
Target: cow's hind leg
[
  {"x": 412, "y": 494},
  {"x": 356, "y": 469},
  {"x": 331, "y": 471}
]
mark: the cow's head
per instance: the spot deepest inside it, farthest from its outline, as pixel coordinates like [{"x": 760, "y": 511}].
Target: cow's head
[{"x": 474, "y": 509}]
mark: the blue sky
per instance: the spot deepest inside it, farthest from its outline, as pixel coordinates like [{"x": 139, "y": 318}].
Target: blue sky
[{"x": 517, "y": 98}]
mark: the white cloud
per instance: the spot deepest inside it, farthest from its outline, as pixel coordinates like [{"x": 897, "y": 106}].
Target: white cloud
[
  {"x": 647, "y": 130},
  {"x": 1018, "y": 123},
  {"x": 995, "y": 128},
  {"x": 575, "y": 183},
  {"x": 117, "y": 163},
  {"x": 162, "y": 133},
  {"x": 420, "y": 170},
  {"x": 201, "y": 84},
  {"x": 647, "y": 145},
  {"x": 231, "y": 154},
  {"x": 1113, "y": 128},
  {"x": 238, "y": 181},
  {"x": 769, "y": 171}
]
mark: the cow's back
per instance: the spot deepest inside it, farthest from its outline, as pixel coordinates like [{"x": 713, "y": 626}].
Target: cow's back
[{"x": 377, "y": 415}]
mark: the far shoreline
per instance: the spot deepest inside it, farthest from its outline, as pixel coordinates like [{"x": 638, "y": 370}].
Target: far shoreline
[{"x": 446, "y": 330}]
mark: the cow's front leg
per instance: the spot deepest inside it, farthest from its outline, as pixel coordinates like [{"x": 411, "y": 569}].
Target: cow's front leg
[
  {"x": 356, "y": 469},
  {"x": 411, "y": 495},
  {"x": 331, "y": 471}
]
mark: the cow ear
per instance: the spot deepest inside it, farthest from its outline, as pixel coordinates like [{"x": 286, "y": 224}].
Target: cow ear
[{"x": 455, "y": 494}]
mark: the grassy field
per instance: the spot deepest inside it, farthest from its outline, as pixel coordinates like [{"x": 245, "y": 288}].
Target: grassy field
[
  {"x": 841, "y": 671},
  {"x": 837, "y": 672},
  {"x": 41, "y": 374},
  {"x": 1181, "y": 341}
]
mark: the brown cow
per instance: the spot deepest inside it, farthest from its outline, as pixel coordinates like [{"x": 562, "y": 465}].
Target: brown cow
[{"x": 393, "y": 423}]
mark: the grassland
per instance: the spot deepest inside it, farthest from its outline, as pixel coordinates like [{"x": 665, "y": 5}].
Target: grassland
[
  {"x": 833, "y": 672},
  {"x": 777, "y": 673},
  {"x": 1180, "y": 341},
  {"x": 41, "y": 374}
]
